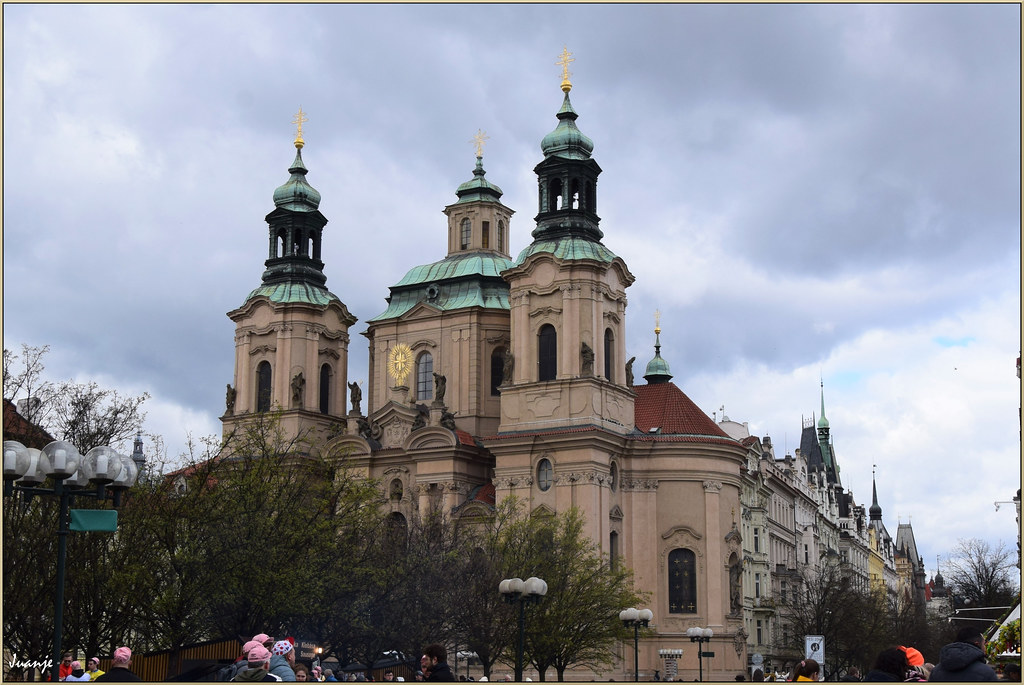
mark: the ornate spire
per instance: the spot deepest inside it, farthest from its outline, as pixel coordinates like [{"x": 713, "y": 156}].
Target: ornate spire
[
  {"x": 478, "y": 188},
  {"x": 298, "y": 121},
  {"x": 657, "y": 369},
  {"x": 875, "y": 511}
]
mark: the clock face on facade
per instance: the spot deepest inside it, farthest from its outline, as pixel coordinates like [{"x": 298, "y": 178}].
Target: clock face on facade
[{"x": 400, "y": 363}]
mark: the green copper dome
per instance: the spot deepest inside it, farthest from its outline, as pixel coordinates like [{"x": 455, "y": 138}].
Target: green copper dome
[
  {"x": 291, "y": 292},
  {"x": 657, "y": 369},
  {"x": 566, "y": 140},
  {"x": 296, "y": 194},
  {"x": 567, "y": 247},
  {"x": 478, "y": 188}
]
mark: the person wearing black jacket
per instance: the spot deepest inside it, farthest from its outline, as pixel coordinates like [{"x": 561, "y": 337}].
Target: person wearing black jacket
[
  {"x": 435, "y": 659},
  {"x": 964, "y": 659}
]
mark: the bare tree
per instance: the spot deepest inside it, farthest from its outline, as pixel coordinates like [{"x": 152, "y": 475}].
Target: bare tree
[{"x": 980, "y": 574}]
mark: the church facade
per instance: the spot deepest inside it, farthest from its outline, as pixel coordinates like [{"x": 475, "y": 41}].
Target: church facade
[{"x": 492, "y": 375}]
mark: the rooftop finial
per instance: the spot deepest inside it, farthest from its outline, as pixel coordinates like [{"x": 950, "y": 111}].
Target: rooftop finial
[
  {"x": 563, "y": 61},
  {"x": 657, "y": 322},
  {"x": 298, "y": 121},
  {"x": 478, "y": 142}
]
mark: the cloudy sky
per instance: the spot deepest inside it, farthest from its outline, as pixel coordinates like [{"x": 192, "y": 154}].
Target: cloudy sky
[{"x": 805, "y": 192}]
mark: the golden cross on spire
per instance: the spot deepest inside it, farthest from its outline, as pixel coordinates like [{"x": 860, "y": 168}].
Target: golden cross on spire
[
  {"x": 563, "y": 61},
  {"x": 298, "y": 121},
  {"x": 657, "y": 321},
  {"x": 478, "y": 141}
]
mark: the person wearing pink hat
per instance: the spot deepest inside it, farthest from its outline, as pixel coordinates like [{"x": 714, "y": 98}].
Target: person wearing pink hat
[
  {"x": 120, "y": 668},
  {"x": 78, "y": 674},
  {"x": 231, "y": 670},
  {"x": 282, "y": 660},
  {"x": 94, "y": 668},
  {"x": 257, "y": 667},
  {"x": 264, "y": 640}
]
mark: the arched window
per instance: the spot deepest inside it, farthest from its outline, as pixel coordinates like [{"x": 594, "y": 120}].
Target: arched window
[
  {"x": 682, "y": 582},
  {"x": 544, "y": 474},
  {"x": 425, "y": 377},
  {"x": 613, "y": 550},
  {"x": 396, "y": 490},
  {"x": 609, "y": 350},
  {"x": 591, "y": 198},
  {"x": 485, "y": 235},
  {"x": 325, "y": 389},
  {"x": 547, "y": 353},
  {"x": 497, "y": 369},
  {"x": 574, "y": 194},
  {"x": 500, "y": 240},
  {"x": 466, "y": 232},
  {"x": 263, "y": 388},
  {"x": 555, "y": 194},
  {"x": 614, "y": 477}
]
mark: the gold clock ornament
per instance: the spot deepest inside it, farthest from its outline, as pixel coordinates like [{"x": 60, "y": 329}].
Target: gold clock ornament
[{"x": 400, "y": 363}]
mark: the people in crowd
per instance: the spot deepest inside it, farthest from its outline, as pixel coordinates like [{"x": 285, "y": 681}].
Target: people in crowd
[
  {"x": 852, "y": 675},
  {"x": 93, "y": 668},
  {"x": 435, "y": 659},
  {"x": 282, "y": 660},
  {"x": 78, "y": 674},
  {"x": 890, "y": 666},
  {"x": 807, "y": 670},
  {"x": 265, "y": 640},
  {"x": 257, "y": 667},
  {"x": 329, "y": 676},
  {"x": 963, "y": 660},
  {"x": 757, "y": 676},
  {"x": 65, "y": 665},
  {"x": 1011, "y": 672},
  {"x": 389, "y": 676},
  {"x": 120, "y": 668},
  {"x": 231, "y": 670},
  {"x": 302, "y": 674}
]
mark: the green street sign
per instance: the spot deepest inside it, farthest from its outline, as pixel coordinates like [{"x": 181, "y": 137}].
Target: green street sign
[
  {"x": 94, "y": 519},
  {"x": 707, "y": 654}
]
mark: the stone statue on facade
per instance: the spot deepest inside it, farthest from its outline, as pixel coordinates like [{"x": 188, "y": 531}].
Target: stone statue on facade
[
  {"x": 356, "y": 395},
  {"x": 229, "y": 400},
  {"x": 420, "y": 421},
  {"x": 587, "y": 358},
  {"x": 298, "y": 385},
  {"x": 440, "y": 387},
  {"x": 735, "y": 586},
  {"x": 629, "y": 372},
  {"x": 448, "y": 420},
  {"x": 506, "y": 369}
]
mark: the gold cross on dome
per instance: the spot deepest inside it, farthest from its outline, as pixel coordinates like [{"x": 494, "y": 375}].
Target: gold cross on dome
[
  {"x": 657, "y": 321},
  {"x": 478, "y": 142},
  {"x": 298, "y": 121},
  {"x": 563, "y": 61}
]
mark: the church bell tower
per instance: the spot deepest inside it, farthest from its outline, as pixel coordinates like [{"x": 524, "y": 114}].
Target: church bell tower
[{"x": 291, "y": 333}]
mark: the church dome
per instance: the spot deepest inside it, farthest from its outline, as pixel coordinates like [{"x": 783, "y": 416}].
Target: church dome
[
  {"x": 478, "y": 188},
  {"x": 566, "y": 140},
  {"x": 296, "y": 194},
  {"x": 657, "y": 369}
]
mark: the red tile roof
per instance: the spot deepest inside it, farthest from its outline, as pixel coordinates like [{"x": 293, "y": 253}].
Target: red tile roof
[
  {"x": 17, "y": 427},
  {"x": 667, "y": 408}
]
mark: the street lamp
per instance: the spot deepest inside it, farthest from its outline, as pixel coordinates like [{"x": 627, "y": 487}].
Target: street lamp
[
  {"x": 530, "y": 591},
  {"x": 700, "y": 636},
  {"x": 636, "y": 619},
  {"x": 26, "y": 469}
]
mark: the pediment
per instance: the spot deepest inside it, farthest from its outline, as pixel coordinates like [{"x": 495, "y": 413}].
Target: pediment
[
  {"x": 393, "y": 423},
  {"x": 543, "y": 510},
  {"x": 681, "y": 530},
  {"x": 430, "y": 437},
  {"x": 420, "y": 310},
  {"x": 347, "y": 446},
  {"x": 616, "y": 513}
]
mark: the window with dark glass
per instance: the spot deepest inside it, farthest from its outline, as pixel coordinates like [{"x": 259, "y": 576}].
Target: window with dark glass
[
  {"x": 547, "y": 353},
  {"x": 485, "y": 236},
  {"x": 500, "y": 240},
  {"x": 682, "y": 581},
  {"x": 263, "y": 388},
  {"x": 325, "y": 389},
  {"x": 609, "y": 348},
  {"x": 465, "y": 233},
  {"x": 613, "y": 550},
  {"x": 497, "y": 370},
  {"x": 425, "y": 377}
]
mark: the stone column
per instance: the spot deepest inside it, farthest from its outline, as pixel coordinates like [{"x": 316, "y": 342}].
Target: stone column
[{"x": 716, "y": 616}]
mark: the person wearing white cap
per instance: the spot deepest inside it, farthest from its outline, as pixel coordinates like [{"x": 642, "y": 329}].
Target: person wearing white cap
[{"x": 282, "y": 661}]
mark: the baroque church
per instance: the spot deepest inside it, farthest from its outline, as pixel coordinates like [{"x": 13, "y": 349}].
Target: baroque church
[{"x": 492, "y": 375}]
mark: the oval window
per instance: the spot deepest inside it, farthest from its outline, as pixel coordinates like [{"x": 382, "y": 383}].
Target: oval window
[{"x": 544, "y": 472}]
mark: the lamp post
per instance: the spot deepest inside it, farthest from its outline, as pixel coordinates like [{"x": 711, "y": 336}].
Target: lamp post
[
  {"x": 700, "y": 636},
  {"x": 636, "y": 619},
  {"x": 530, "y": 591},
  {"x": 25, "y": 471}
]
